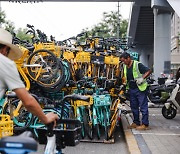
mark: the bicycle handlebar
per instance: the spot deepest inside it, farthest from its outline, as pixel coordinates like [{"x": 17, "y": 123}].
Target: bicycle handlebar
[
  {"x": 30, "y": 26},
  {"x": 76, "y": 97}
]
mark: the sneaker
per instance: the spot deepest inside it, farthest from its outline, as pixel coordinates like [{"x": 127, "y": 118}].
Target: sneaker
[
  {"x": 142, "y": 127},
  {"x": 133, "y": 125}
]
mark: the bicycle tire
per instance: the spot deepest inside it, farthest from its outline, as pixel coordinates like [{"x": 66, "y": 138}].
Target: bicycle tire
[
  {"x": 71, "y": 113},
  {"x": 25, "y": 117},
  {"x": 60, "y": 83},
  {"x": 83, "y": 132},
  {"x": 97, "y": 130},
  {"x": 79, "y": 74},
  {"x": 51, "y": 61},
  {"x": 97, "y": 125},
  {"x": 113, "y": 124},
  {"x": 105, "y": 125},
  {"x": 88, "y": 125}
]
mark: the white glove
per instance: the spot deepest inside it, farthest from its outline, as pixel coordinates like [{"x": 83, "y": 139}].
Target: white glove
[{"x": 139, "y": 81}]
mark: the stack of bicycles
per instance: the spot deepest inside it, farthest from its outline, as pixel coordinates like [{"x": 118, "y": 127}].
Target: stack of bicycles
[{"x": 66, "y": 133}]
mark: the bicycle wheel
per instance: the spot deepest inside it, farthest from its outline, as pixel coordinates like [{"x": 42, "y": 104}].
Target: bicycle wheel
[
  {"x": 48, "y": 65},
  {"x": 105, "y": 124},
  {"x": 114, "y": 117},
  {"x": 97, "y": 130},
  {"x": 59, "y": 80},
  {"x": 71, "y": 113},
  {"x": 113, "y": 124},
  {"x": 79, "y": 74},
  {"x": 88, "y": 124},
  {"x": 81, "y": 117},
  {"x": 97, "y": 123},
  {"x": 22, "y": 119}
]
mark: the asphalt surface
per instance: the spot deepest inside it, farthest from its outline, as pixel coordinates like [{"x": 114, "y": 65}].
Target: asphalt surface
[
  {"x": 163, "y": 137},
  {"x": 96, "y": 146}
]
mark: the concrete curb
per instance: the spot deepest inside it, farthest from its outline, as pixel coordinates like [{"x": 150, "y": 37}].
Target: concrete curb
[{"x": 129, "y": 136}]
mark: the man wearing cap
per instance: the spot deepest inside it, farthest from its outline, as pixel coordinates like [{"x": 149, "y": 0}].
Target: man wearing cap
[
  {"x": 135, "y": 74},
  {"x": 10, "y": 79}
]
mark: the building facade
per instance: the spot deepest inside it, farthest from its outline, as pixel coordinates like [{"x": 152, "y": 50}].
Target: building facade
[{"x": 175, "y": 43}]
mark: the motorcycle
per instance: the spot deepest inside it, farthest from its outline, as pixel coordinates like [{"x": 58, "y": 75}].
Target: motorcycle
[
  {"x": 159, "y": 93},
  {"x": 170, "y": 108}
]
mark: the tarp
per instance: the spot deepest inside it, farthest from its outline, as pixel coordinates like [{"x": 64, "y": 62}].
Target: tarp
[{"x": 175, "y": 4}]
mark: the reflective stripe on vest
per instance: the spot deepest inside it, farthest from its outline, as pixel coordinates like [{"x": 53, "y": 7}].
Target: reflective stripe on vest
[{"x": 136, "y": 74}]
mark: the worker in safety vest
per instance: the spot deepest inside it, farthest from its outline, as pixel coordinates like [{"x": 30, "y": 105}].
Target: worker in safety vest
[{"x": 135, "y": 74}]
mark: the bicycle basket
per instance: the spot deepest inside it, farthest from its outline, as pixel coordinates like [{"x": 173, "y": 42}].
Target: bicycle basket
[
  {"x": 83, "y": 57},
  {"x": 67, "y": 135},
  {"x": 111, "y": 60},
  {"x": 6, "y": 126}
]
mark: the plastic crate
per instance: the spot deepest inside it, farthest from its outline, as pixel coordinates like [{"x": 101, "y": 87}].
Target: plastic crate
[
  {"x": 6, "y": 126},
  {"x": 68, "y": 136}
]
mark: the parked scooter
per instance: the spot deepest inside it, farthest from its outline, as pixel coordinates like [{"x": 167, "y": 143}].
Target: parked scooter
[
  {"x": 159, "y": 93},
  {"x": 170, "y": 108}
]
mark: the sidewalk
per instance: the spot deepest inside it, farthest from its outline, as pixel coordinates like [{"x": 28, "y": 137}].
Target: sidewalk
[{"x": 162, "y": 138}]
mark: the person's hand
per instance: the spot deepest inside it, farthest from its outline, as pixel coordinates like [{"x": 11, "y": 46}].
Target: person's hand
[
  {"x": 51, "y": 117},
  {"x": 139, "y": 81}
]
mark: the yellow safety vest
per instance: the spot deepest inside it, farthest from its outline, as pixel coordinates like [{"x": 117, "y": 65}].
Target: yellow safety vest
[{"x": 136, "y": 74}]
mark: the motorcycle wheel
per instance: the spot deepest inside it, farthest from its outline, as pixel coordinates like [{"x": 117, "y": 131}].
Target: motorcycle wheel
[{"x": 169, "y": 113}]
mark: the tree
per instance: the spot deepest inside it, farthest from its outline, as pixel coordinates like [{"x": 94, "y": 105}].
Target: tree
[
  {"x": 2, "y": 17},
  {"x": 7, "y": 24},
  {"x": 21, "y": 34},
  {"x": 108, "y": 26}
]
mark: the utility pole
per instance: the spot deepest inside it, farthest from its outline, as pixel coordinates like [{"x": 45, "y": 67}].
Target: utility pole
[{"x": 118, "y": 23}]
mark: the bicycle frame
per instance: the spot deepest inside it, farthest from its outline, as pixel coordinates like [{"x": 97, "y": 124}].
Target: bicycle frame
[
  {"x": 16, "y": 111},
  {"x": 58, "y": 139},
  {"x": 117, "y": 109}
]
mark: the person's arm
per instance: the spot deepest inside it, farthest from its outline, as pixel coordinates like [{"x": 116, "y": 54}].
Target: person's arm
[
  {"x": 33, "y": 106},
  {"x": 11, "y": 79},
  {"x": 144, "y": 70},
  {"x": 145, "y": 75}
]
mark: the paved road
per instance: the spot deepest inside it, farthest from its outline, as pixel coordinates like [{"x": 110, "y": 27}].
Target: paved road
[
  {"x": 97, "y": 148},
  {"x": 162, "y": 138},
  {"x": 164, "y": 135}
]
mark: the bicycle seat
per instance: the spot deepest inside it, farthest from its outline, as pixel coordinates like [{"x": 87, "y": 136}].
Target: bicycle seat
[{"x": 23, "y": 142}]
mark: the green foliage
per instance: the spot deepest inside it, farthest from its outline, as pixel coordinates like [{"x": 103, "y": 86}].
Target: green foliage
[
  {"x": 8, "y": 25},
  {"x": 21, "y": 34},
  {"x": 108, "y": 27},
  {"x": 2, "y": 17}
]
